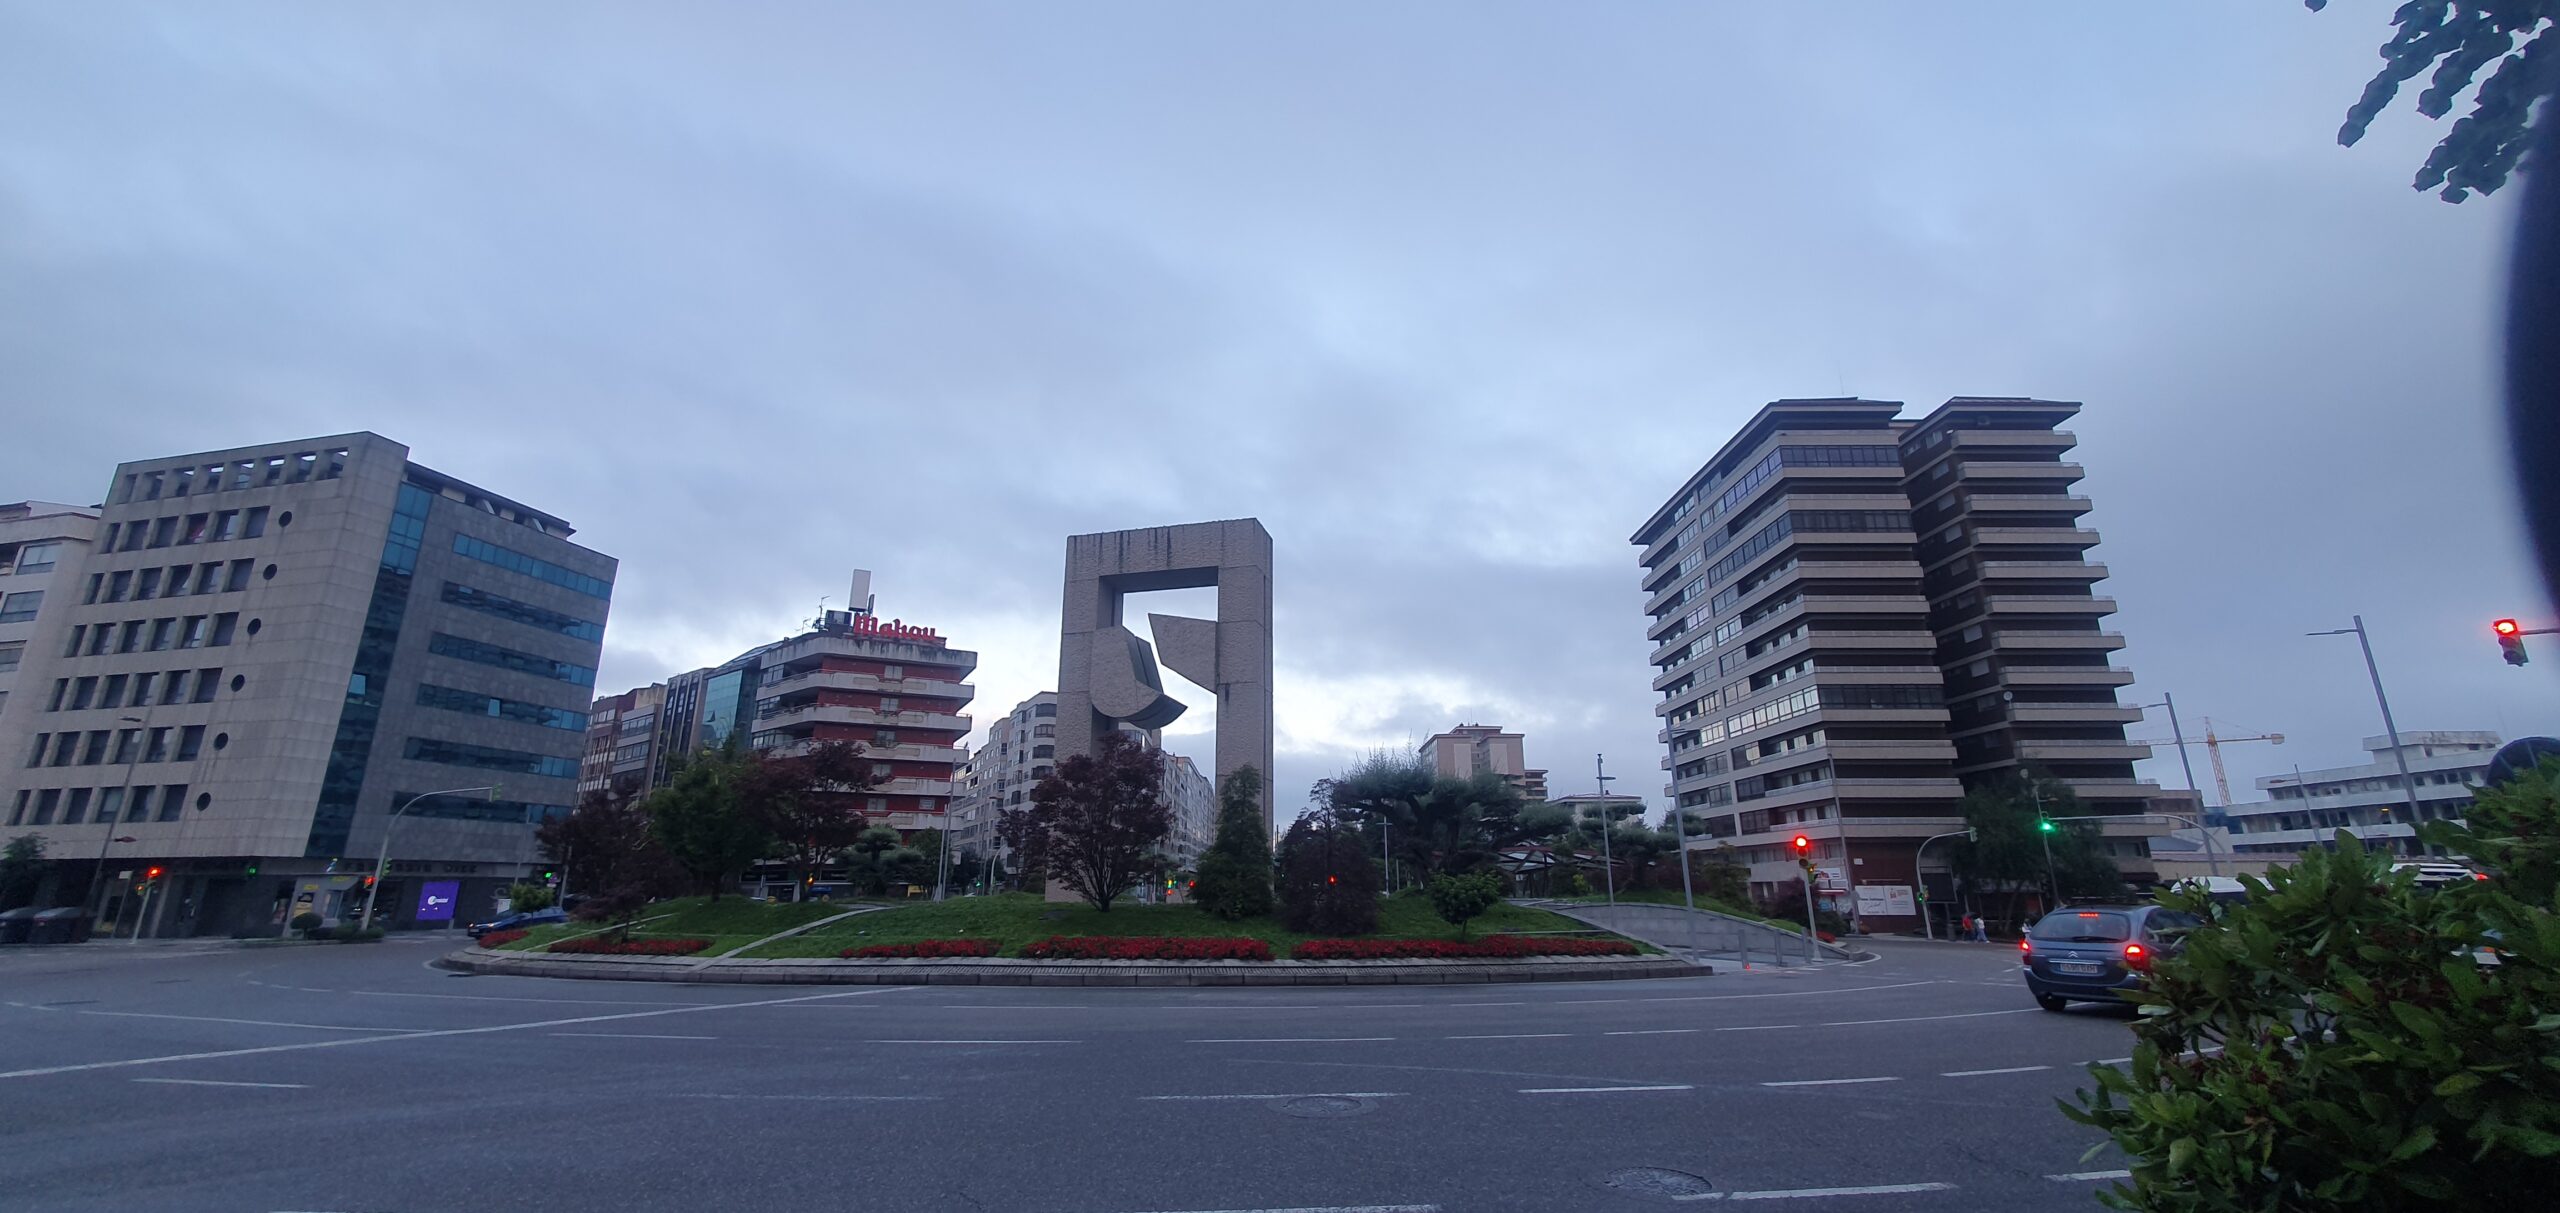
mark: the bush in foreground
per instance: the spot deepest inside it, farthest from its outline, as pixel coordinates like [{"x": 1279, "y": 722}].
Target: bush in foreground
[
  {"x": 927, "y": 949},
  {"x": 1145, "y": 947},
  {"x": 500, "y": 939},
  {"x": 594, "y": 945},
  {"x": 1491, "y": 947}
]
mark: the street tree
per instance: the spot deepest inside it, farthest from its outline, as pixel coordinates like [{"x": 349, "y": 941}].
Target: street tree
[
  {"x": 701, "y": 819},
  {"x": 605, "y": 844},
  {"x": 2460, "y": 38},
  {"x": 1234, "y": 880},
  {"x": 1328, "y": 877},
  {"x": 1096, "y": 823},
  {"x": 22, "y": 865},
  {"x": 868, "y": 858},
  {"x": 2006, "y": 859},
  {"x": 1435, "y": 823},
  {"x": 810, "y": 802},
  {"x": 1459, "y": 900}
]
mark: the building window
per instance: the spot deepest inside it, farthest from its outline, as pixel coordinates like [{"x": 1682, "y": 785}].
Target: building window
[
  {"x": 489, "y": 758},
  {"x": 20, "y": 607},
  {"x": 224, "y": 625},
  {"x": 509, "y": 659},
  {"x": 523, "y": 612},
  {"x": 539, "y": 570},
  {"x": 142, "y": 689},
  {"x": 190, "y": 742},
  {"x": 129, "y": 640},
  {"x": 476, "y": 704},
  {"x": 76, "y": 809},
  {"x": 47, "y": 801},
  {"x": 38, "y": 557},
  {"x": 95, "y": 751},
  {"x": 206, "y": 681},
  {"x": 11, "y": 654},
  {"x": 157, "y": 748},
  {"x": 878, "y": 804},
  {"x": 163, "y": 633},
  {"x": 127, "y": 742},
  {"x": 239, "y": 579},
  {"x": 888, "y": 703},
  {"x": 193, "y": 635},
  {"x": 173, "y": 800},
  {"x": 147, "y": 587}
]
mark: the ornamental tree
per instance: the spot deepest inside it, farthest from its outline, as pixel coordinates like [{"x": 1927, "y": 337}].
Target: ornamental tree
[
  {"x": 1328, "y": 879},
  {"x": 1461, "y": 899},
  {"x": 701, "y": 820},
  {"x": 1094, "y": 825},
  {"x": 1234, "y": 880}
]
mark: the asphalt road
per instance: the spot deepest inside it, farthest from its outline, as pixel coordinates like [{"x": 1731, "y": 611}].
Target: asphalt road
[{"x": 358, "y": 1078}]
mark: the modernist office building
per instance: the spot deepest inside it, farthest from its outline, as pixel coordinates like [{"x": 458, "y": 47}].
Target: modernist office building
[
  {"x": 1856, "y": 614},
  {"x": 272, "y": 648}
]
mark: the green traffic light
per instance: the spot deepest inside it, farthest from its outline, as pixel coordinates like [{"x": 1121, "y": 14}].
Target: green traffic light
[{"x": 2044, "y": 824}]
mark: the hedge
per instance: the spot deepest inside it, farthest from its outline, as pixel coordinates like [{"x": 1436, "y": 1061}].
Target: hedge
[
  {"x": 1491, "y": 947},
  {"x": 596, "y": 945},
  {"x": 928, "y": 949},
  {"x": 1145, "y": 947},
  {"x": 500, "y": 939}
]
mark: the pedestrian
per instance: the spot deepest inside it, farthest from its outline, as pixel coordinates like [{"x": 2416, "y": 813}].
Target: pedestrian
[
  {"x": 1981, "y": 931},
  {"x": 1964, "y": 930}
]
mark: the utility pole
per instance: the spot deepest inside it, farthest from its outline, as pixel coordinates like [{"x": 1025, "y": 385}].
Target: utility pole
[
  {"x": 1608, "y": 863},
  {"x": 2389, "y": 729},
  {"x": 2044, "y": 834},
  {"x": 2179, "y": 736}
]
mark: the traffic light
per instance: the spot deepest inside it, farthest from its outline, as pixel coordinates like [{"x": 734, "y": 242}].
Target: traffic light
[
  {"x": 253, "y": 867},
  {"x": 2044, "y": 825},
  {"x": 1803, "y": 848},
  {"x": 151, "y": 873},
  {"x": 2510, "y": 640}
]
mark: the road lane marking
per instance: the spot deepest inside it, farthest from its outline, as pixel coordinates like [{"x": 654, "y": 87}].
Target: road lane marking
[
  {"x": 974, "y": 1042},
  {"x": 2070, "y": 1177},
  {"x": 1325, "y": 1209},
  {"x": 1287, "y": 1040},
  {"x": 208, "y": 1082},
  {"x": 41, "y": 1071},
  {"x": 600, "y": 1002},
  {"x": 263, "y": 1023},
  {"x": 2114, "y": 1061},
  {"x": 1809, "y": 1193},
  {"x": 632, "y": 1036},
  {"x": 1309, "y": 1095},
  {"x": 1682, "y": 1086},
  {"x": 1585, "y": 1002},
  {"x": 1512, "y": 1036},
  {"x": 1762, "y": 1027},
  {"x": 2001, "y": 1070},
  {"x": 820, "y": 1098},
  {"x": 1653, "y": 1032},
  {"x": 1851, "y": 1023},
  {"x": 1826, "y": 1082}
]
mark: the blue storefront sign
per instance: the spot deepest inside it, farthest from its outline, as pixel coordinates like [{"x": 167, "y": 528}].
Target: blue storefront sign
[{"x": 436, "y": 898}]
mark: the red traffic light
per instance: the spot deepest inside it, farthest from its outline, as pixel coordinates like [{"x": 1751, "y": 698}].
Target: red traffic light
[
  {"x": 151, "y": 873},
  {"x": 2506, "y": 627},
  {"x": 1802, "y": 844}
]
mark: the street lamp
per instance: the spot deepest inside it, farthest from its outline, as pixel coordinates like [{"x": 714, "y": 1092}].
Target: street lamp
[
  {"x": 2178, "y": 735},
  {"x": 1608, "y": 863},
  {"x": 140, "y": 736},
  {"x": 382, "y": 859},
  {"x": 2207, "y": 835},
  {"x": 2388, "y": 728},
  {"x": 1922, "y": 881}
]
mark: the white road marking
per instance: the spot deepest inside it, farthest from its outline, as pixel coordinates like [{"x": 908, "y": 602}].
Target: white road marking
[
  {"x": 2002, "y": 1070},
  {"x": 1826, "y": 1082},
  {"x": 262, "y": 1023},
  {"x": 1682, "y": 1086},
  {"x": 1804, "y": 1193},
  {"x": 600, "y": 1002},
  {"x": 1762, "y": 1027},
  {"x": 975, "y": 1042},
  {"x": 208, "y": 1082},
  {"x": 414, "y": 1035},
  {"x": 822, "y": 1098},
  {"x": 2070, "y": 1177},
  {"x": 1851, "y": 1023},
  {"x": 1312, "y": 1095},
  {"x": 1653, "y": 1032},
  {"x": 1287, "y": 1040},
  {"x": 1512, "y": 1036},
  {"x": 2114, "y": 1061},
  {"x": 1586, "y": 1002},
  {"x": 632, "y": 1036},
  {"x": 1327, "y": 1209}
]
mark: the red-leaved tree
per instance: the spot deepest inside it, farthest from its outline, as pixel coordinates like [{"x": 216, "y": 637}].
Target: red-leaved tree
[
  {"x": 810, "y": 802},
  {"x": 1095, "y": 825}
]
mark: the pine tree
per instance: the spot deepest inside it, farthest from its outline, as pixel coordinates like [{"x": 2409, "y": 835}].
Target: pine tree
[{"x": 1234, "y": 880}]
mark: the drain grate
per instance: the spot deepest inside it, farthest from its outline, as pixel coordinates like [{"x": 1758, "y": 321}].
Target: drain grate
[{"x": 1657, "y": 1181}]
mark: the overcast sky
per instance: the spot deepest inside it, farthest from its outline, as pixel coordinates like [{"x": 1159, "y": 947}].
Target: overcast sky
[{"x": 1451, "y": 296}]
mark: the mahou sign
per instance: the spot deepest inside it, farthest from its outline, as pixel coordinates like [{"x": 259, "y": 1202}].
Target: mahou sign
[{"x": 894, "y": 629}]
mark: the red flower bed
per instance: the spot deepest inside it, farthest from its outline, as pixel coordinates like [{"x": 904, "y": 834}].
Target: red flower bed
[
  {"x": 922, "y": 950},
  {"x": 1145, "y": 947},
  {"x": 500, "y": 939},
  {"x": 597, "y": 945},
  {"x": 1491, "y": 947}
]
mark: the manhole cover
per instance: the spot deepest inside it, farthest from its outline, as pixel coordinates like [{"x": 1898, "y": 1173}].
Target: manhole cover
[
  {"x": 1658, "y": 1181},
  {"x": 1319, "y": 1107}
]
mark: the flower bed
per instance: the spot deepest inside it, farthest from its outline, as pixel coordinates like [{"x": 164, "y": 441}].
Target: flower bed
[
  {"x": 1145, "y": 947},
  {"x": 927, "y": 949},
  {"x": 500, "y": 939},
  {"x": 1491, "y": 947},
  {"x": 597, "y": 945}
]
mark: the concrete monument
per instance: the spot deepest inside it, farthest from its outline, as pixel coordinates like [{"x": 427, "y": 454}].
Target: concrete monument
[{"x": 1107, "y": 673}]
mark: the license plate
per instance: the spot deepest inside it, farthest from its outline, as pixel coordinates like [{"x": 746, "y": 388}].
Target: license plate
[{"x": 2080, "y": 968}]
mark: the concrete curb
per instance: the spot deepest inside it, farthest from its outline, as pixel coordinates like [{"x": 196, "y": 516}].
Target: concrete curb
[{"x": 975, "y": 971}]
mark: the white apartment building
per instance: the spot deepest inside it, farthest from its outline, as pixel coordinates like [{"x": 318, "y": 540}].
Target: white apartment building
[
  {"x": 2370, "y": 801},
  {"x": 42, "y": 544}
]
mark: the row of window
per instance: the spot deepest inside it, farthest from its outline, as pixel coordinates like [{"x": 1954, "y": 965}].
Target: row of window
[
  {"x": 1757, "y": 786},
  {"x": 180, "y": 530},
  {"x": 132, "y": 690},
  {"x": 1883, "y": 696},
  {"x": 156, "y": 635},
  {"x": 117, "y": 747},
  {"x": 468, "y": 807},
  {"x": 523, "y": 612},
  {"x": 75, "y": 805},
  {"x": 36, "y": 558},
  {"x": 236, "y": 475},
  {"x": 534, "y": 567},
  {"x": 490, "y": 758},
  {"x": 484, "y": 653},
  {"x": 477, "y": 704},
  {"x": 176, "y": 581}
]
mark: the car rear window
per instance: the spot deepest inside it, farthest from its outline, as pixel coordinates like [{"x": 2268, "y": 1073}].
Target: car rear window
[{"x": 2082, "y": 926}]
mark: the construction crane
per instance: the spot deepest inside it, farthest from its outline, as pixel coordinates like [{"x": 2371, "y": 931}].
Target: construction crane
[{"x": 2213, "y": 743}]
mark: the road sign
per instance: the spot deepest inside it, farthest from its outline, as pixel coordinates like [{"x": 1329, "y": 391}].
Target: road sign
[{"x": 436, "y": 898}]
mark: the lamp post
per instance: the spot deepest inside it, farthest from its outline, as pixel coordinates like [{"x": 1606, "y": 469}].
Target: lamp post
[
  {"x": 2389, "y": 729},
  {"x": 1922, "y": 881},
  {"x": 382, "y": 858},
  {"x": 98, "y": 872},
  {"x": 2044, "y": 834},
  {"x": 1608, "y": 863},
  {"x": 2180, "y": 737}
]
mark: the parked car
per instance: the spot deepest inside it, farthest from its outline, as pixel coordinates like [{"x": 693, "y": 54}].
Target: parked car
[
  {"x": 2094, "y": 953},
  {"x": 519, "y": 920},
  {"x": 2437, "y": 873}
]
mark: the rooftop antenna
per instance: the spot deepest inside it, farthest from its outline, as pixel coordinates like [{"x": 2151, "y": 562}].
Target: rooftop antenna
[
  {"x": 821, "y": 620},
  {"x": 860, "y": 601}
]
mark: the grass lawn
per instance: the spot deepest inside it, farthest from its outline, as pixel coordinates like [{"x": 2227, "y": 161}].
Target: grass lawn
[
  {"x": 731, "y": 922},
  {"x": 1672, "y": 897},
  {"x": 1015, "y": 919}
]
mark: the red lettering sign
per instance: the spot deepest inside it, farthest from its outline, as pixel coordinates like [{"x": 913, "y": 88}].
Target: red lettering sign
[{"x": 894, "y": 629}]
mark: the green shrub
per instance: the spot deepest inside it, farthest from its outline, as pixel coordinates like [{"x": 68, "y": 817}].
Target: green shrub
[
  {"x": 1234, "y": 880},
  {"x": 528, "y": 895},
  {"x": 2369, "y": 1058},
  {"x": 1458, "y": 899}
]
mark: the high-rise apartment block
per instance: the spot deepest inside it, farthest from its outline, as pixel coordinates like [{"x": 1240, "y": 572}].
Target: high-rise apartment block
[
  {"x": 273, "y": 649},
  {"x": 42, "y": 544},
  {"x": 1483, "y": 749},
  {"x": 622, "y": 743},
  {"x": 1857, "y": 615}
]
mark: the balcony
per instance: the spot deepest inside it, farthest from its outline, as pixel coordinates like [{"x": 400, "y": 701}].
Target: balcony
[
  {"x": 2073, "y": 713},
  {"x": 1989, "y": 441},
  {"x": 1871, "y": 604},
  {"x": 2025, "y": 639},
  {"x": 912, "y": 787},
  {"x": 2043, "y": 570},
  {"x": 2073, "y": 749},
  {"x": 2031, "y": 503},
  {"x": 2018, "y": 469},
  {"x": 2065, "y": 676},
  {"x": 2035, "y": 536},
  {"x": 1889, "y": 749},
  {"x": 837, "y": 713},
  {"x": 2048, "y": 604}
]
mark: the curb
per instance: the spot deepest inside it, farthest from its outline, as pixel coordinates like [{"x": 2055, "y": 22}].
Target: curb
[{"x": 976, "y": 971}]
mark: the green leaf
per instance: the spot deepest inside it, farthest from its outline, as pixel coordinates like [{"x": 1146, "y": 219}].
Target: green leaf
[
  {"x": 2456, "y": 1084},
  {"x": 2536, "y": 1142},
  {"x": 2182, "y": 1155},
  {"x": 2416, "y": 1143}
]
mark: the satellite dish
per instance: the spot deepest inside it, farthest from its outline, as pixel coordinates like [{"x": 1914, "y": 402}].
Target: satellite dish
[{"x": 2519, "y": 756}]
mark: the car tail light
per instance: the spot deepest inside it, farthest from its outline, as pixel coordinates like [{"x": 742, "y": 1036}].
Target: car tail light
[
  {"x": 2024, "y": 946},
  {"x": 2137, "y": 956}
]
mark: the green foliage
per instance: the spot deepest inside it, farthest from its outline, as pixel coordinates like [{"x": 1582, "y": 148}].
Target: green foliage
[
  {"x": 1328, "y": 880},
  {"x": 1434, "y": 823},
  {"x": 809, "y": 803},
  {"x": 1235, "y": 874},
  {"x": 2458, "y": 38},
  {"x": 527, "y": 895},
  {"x": 605, "y": 846},
  {"x": 1721, "y": 876},
  {"x": 2005, "y": 863},
  {"x": 305, "y": 922},
  {"x": 2370, "y": 1059},
  {"x": 701, "y": 819},
  {"x": 1459, "y": 899},
  {"x": 22, "y": 866},
  {"x": 1095, "y": 825},
  {"x": 2514, "y": 829}
]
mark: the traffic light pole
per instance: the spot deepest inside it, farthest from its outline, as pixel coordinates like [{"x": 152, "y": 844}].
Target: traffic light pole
[
  {"x": 1922, "y": 883},
  {"x": 382, "y": 858},
  {"x": 1810, "y": 952}
]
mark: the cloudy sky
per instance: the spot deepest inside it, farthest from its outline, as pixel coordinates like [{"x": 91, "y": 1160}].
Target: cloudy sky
[{"x": 1451, "y": 296}]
